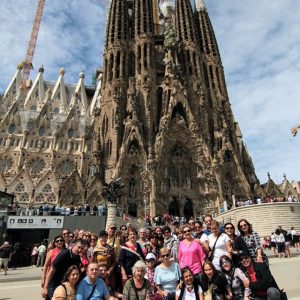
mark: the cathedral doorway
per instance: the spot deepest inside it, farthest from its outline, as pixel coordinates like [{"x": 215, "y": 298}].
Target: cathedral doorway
[
  {"x": 188, "y": 210},
  {"x": 174, "y": 208},
  {"x": 132, "y": 210}
]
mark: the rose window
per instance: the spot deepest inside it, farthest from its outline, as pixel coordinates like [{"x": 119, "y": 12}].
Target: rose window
[
  {"x": 47, "y": 188},
  {"x": 20, "y": 188},
  {"x": 5, "y": 164},
  {"x": 24, "y": 198},
  {"x": 67, "y": 167},
  {"x": 36, "y": 166},
  {"x": 51, "y": 198},
  {"x": 40, "y": 198}
]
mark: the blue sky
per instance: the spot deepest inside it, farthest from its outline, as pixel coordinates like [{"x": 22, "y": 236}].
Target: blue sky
[{"x": 259, "y": 42}]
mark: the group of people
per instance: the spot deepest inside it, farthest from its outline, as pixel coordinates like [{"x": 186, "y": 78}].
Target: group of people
[
  {"x": 281, "y": 240},
  {"x": 59, "y": 210},
  {"x": 194, "y": 261}
]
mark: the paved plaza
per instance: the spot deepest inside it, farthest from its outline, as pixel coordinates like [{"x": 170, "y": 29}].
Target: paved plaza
[{"x": 24, "y": 283}]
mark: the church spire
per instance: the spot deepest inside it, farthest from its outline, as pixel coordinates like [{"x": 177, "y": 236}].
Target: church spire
[
  {"x": 200, "y": 5},
  {"x": 185, "y": 25}
]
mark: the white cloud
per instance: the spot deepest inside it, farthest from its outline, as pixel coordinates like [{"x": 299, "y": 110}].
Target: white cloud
[{"x": 259, "y": 43}]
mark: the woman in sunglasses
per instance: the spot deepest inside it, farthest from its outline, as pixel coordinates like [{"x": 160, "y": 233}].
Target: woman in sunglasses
[
  {"x": 57, "y": 245},
  {"x": 236, "y": 278},
  {"x": 252, "y": 240},
  {"x": 237, "y": 243},
  {"x": 166, "y": 276},
  {"x": 190, "y": 252}
]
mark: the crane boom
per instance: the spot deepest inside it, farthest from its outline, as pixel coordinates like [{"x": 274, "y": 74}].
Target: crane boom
[{"x": 33, "y": 38}]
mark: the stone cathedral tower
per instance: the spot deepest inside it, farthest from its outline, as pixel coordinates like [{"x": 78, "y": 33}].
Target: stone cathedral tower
[{"x": 165, "y": 123}]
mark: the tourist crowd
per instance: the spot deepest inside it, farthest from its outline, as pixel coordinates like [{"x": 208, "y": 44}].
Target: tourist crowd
[
  {"x": 189, "y": 261},
  {"x": 60, "y": 210}
]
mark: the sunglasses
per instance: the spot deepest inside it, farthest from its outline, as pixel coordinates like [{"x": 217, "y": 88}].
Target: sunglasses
[
  {"x": 225, "y": 262},
  {"x": 186, "y": 231},
  {"x": 58, "y": 241},
  {"x": 244, "y": 258},
  {"x": 229, "y": 228},
  {"x": 165, "y": 255},
  {"x": 243, "y": 225}
]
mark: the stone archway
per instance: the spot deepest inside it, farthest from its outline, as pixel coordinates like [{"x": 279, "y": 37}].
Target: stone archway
[
  {"x": 174, "y": 207},
  {"x": 188, "y": 209}
]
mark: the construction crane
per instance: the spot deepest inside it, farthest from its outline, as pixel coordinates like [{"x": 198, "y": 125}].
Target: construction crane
[{"x": 27, "y": 64}]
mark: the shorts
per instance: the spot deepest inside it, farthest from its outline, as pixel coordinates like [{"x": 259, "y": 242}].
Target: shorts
[
  {"x": 281, "y": 247},
  {"x": 4, "y": 262}
]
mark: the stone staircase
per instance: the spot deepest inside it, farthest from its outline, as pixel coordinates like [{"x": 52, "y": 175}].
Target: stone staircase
[{"x": 265, "y": 217}]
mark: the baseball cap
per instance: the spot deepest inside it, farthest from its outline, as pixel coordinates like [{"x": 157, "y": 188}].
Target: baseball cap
[
  {"x": 150, "y": 256},
  {"x": 102, "y": 233}
]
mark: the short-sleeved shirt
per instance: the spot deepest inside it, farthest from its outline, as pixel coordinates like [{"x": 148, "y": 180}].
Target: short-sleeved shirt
[
  {"x": 85, "y": 288},
  {"x": 62, "y": 262},
  {"x": 167, "y": 278},
  {"x": 5, "y": 252},
  {"x": 220, "y": 248},
  {"x": 189, "y": 294},
  {"x": 60, "y": 292}
]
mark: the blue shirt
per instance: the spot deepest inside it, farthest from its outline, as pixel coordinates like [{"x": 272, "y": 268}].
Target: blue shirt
[
  {"x": 85, "y": 288},
  {"x": 168, "y": 278}
]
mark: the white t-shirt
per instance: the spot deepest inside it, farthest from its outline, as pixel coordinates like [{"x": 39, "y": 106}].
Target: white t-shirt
[
  {"x": 220, "y": 248},
  {"x": 189, "y": 295}
]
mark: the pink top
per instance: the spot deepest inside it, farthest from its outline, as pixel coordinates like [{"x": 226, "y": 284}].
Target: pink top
[
  {"x": 54, "y": 253},
  {"x": 191, "y": 255}
]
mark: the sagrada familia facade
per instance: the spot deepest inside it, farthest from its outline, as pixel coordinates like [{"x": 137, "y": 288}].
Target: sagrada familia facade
[{"x": 158, "y": 116}]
